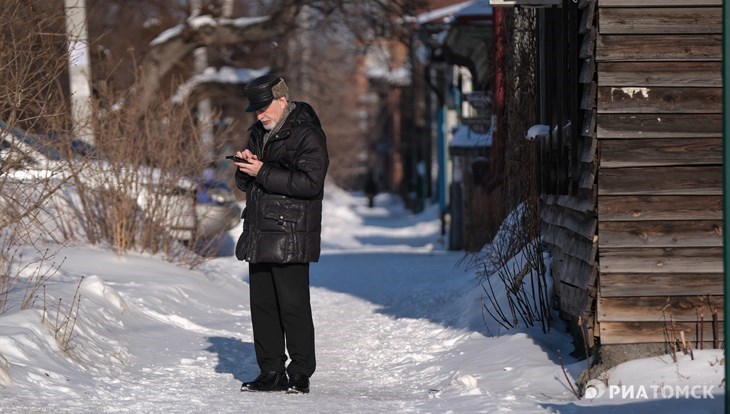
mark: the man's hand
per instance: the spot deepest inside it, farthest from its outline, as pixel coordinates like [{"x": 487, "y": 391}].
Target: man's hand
[{"x": 252, "y": 164}]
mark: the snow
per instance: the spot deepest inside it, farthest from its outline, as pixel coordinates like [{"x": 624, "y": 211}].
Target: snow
[
  {"x": 197, "y": 22},
  {"x": 538, "y": 131},
  {"x": 478, "y": 8},
  {"x": 379, "y": 66},
  {"x": 464, "y": 137},
  {"x": 399, "y": 76},
  {"x": 224, "y": 74},
  {"x": 398, "y": 324},
  {"x": 443, "y": 13}
]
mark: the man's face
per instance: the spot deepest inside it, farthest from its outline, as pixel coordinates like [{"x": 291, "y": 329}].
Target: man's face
[{"x": 271, "y": 115}]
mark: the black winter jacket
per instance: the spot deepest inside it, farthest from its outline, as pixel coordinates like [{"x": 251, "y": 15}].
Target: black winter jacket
[{"x": 282, "y": 221}]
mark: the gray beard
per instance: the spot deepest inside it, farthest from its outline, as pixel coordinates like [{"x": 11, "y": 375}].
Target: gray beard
[
  {"x": 274, "y": 127},
  {"x": 288, "y": 110}
]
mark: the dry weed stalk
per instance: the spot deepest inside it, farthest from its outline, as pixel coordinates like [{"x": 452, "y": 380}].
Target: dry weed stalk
[
  {"x": 11, "y": 275},
  {"x": 677, "y": 340},
  {"x": 63, "y": 329},
  {"x": 715, "y": 330},
  {"x": 567, "y": 378},
  {"x": 702, "y": 329},
  {"x": 525, "y": 287}
]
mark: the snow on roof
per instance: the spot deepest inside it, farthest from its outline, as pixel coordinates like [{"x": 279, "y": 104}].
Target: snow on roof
[
  {"x": 538, "y": 131},
  {"x": 476, "y": 8},
  {"x": 443, "y": 14},
  {"x": 225, "y": 74},
  {"x": 400, "y": 76},
  {"x": 464, "y": 137},
  {"x": 379, "y": 65}
]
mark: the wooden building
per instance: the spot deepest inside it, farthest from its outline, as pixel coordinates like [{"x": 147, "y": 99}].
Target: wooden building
[
  {"x": 631, "y": 169},
  {"x": 470, "y": 152}
]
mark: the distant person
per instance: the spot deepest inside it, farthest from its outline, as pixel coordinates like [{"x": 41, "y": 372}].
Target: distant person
[
  {"x": 371, "y": 188},
  {"x": 283, "y": 176}
]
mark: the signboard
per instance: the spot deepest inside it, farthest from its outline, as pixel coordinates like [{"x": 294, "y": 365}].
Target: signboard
[
  {"x": 479, "y": 100},
  {"x": 478, "y": 125}
]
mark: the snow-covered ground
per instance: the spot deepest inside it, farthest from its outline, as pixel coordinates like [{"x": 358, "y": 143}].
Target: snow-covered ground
[{"x": 398, "y": 322}]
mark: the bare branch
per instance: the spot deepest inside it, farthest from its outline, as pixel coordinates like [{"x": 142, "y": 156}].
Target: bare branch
[{"x": 164, "y": 55}]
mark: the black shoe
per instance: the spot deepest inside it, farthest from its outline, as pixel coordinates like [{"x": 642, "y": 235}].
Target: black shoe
[
  {"x": 267, "y": 381},
  {"x": 298, "y": 384}
]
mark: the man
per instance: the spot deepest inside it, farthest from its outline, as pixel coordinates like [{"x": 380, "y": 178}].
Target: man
[{"x": 283, "y": 176}]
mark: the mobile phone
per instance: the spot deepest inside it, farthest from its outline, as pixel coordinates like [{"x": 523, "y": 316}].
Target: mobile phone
[{"x": 236, "y": 159}]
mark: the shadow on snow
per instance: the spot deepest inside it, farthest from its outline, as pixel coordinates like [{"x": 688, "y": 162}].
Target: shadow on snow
[
  {"x": 235, "y": 357},
  {"x": 708, "y": 406},
  {"x": 420, "y": 286}
]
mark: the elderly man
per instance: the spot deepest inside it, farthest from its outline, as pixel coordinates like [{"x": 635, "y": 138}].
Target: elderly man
[{"x": 282, "y": 172}]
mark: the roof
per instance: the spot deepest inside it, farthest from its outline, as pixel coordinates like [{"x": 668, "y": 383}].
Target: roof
[
  {"x": 465, "y": 138},
  {"x": 477, "y": 10},
  {"x": 442, "y": 14}
]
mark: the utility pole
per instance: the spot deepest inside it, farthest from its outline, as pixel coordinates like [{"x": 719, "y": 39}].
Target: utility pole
[{"x": 79, "y": 69}]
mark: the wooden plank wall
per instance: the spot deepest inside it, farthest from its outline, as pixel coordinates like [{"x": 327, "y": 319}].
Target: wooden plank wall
[
  {"x": 568, "y": 161},
  {"x": 659, "y": 129}
]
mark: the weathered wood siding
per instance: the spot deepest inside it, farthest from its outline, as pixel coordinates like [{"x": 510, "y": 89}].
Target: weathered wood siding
[
  {"x": 568, "y": 163},
  {"x": 659, "y": 131}
]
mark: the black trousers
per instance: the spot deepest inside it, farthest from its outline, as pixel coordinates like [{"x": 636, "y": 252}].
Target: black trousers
[{"x": 281, "y": 315}]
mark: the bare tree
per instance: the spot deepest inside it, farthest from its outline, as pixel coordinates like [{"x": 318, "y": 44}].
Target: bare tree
[
  {"x": 32, "y": 64},
  {"x": 182, "y": 40}
]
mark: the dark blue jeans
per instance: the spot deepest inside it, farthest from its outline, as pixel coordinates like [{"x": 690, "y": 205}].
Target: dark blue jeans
[{"x": 281, "y": 315}]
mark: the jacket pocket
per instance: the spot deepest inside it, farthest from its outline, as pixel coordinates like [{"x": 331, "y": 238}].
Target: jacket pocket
[
  {"x": 286, "y": 219},
  {"x": 242, "y": 246}
]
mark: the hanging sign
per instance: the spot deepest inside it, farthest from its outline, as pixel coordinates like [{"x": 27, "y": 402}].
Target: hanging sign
[
  {"x": 478, "y": 125},
  {"x": 479, "y": 100}
]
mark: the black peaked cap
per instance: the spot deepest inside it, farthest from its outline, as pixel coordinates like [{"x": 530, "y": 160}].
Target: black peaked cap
[{"x": 259, "y": 92}]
